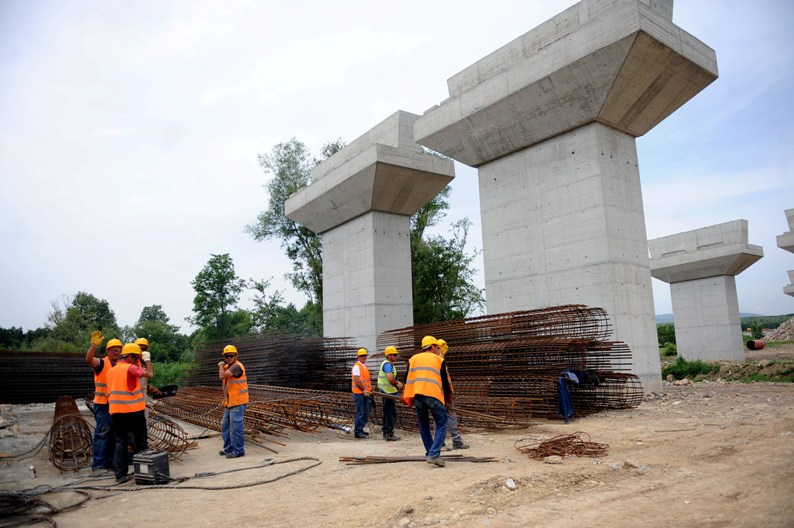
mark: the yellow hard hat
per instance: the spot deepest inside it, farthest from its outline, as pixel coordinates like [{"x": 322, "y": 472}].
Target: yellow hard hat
[
  {"x": 390, "y": 351},
  {"x": 443, "y": 346},
  {"x": 113, "y": 343},
  {"x": 229, "y": 349},
  {"x": 362, "y": 352},
  {"x": 131, "y": 348},
  {"x": 142, "y": 341},
  {"x": 428, "y": 341}
]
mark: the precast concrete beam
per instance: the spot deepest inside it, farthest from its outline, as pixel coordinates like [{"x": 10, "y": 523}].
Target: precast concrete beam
[
  {"x": 622, "y": 63},
  {"x": 786, "y": 240},
  {"x": 701, "y": 266},
  {"x": 383, "y": 170},
  {"x": 789, "y": 288},
  {"x": 720, "y": 249}
]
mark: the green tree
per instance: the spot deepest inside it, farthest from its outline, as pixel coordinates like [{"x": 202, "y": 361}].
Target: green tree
[
  {"x": 666, "y": 334},
  {"x": 73, "y": 319},
  {"x": 757, "y": 331},
  {"x": 270, "y": 314},
  {"x": 165, "y": 341},
  {"x": 218, "y": 290}
]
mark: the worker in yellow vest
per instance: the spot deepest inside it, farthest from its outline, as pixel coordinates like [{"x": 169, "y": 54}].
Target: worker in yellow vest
[
  {"x": 235, "y": 399},
  {"x": 127, "y": 405},
  {"x": 452, "y": 422},
  {"x": 427, "y": 389},
  {"x": 361, "y": 386},
  {"x": 104, "y": 442},
  {"x": 388, "y": 384}
]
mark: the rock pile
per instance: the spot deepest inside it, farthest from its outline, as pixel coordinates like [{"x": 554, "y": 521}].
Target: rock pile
[{"x": 784, "y": 332}]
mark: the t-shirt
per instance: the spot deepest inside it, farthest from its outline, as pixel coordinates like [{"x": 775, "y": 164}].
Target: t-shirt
[
  {"x": 388, "y": 367},
  {"x": 356, "y": 369}
]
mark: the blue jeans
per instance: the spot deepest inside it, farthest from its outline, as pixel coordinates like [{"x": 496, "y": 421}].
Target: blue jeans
[
  {"x": 104, "y": 444},
  {"x": 362, "y": 413},
  {"x": 232, "y": 430},
  {"x": 425, "y": 406}
]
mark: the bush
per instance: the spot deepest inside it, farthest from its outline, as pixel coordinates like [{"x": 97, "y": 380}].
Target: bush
[
  {"x": 170, "y": 373},
  {"x": 666, "y": 334},
  {"x": 757, "y": 331},
  {"x": 669, "y": 350},
  {"x": 684, "y": 369}
]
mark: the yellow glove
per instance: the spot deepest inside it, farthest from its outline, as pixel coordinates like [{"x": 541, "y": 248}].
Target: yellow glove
[
  {"x": 97, "y": 338},
  {"x": 400, "y": 386},
  {"x": 367, "y": 394}
]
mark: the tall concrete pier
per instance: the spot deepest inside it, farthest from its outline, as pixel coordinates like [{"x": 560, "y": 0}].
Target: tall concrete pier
[
  {"x": 786, "y": 242},
  {"x": 701, "y": 267},
  {"x": 550, "y": 120},
  {"x": 361, "y": 200}
]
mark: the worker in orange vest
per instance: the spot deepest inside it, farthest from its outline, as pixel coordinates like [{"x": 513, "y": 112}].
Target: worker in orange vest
[
  {"x": 427, "y": 389},
  {"x": 362, "y": 390},
  {"x": 235, "y": 399},
  {"x": 127, "y": 405},
  {"x": 104, "y": 443}
]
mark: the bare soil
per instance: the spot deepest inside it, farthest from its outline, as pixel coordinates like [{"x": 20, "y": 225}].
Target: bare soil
[{"x": 714, "y": 454}]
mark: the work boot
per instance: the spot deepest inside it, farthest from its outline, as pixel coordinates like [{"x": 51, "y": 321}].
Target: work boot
[
  {"x": 359, "y": 435},
  {"x": 391, "y": 437},
  {"x": 222, "y": 452},
  {"x": 460, "y": 445},
  {"x": 438, "y": 461},
  {"x": 235, "y": 455}
]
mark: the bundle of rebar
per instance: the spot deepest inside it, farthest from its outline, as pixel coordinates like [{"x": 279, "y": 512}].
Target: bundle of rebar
[
  {"x": 43, "y": 377},
  {"x": 574, "y": 444},
  {"x": 70, "y": 437}
]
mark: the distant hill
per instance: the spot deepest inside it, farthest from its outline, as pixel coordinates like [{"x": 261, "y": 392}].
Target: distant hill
[{"x": 668, "y": 317}]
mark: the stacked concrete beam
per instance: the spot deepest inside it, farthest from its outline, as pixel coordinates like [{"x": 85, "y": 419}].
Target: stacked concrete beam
[
  {"x": 550, "y": 120},
  {"x": 701, "y": 267},
  {"x": 360, "y": 201},
  {"x": 786, "y": 241}
]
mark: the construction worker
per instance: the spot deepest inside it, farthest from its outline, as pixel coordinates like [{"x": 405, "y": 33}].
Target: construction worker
[
  {"x": 104, "y": 442},
  {"x": 452, "y": 422},
  {"x": 235, "y": 400},
  {"x": 127, "y": 405},
  {"x": 388, "y": 384},
  {"x": 144, "y": 344},
  {"x": 362, "y": 390},
  {"x": 427, "y": 389}
]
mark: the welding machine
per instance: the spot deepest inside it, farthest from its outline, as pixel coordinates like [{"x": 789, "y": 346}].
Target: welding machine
[{"x": 151, "y": 467}]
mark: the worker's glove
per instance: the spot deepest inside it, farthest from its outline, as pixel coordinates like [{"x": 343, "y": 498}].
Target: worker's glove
[
  {"x": 97, "y": 338},
  {"x": 367, "y": 394},
  {"x": 400, "y": 386},
  {"x": 146, "y": 356},
  {"x": 221, "y": 363}
]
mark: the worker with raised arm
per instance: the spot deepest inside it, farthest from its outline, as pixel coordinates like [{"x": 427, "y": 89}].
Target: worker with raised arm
[
  {"x": 452, "y": 421},
  {"x": 104, "y": 442},
  {"x": 427, "y": 389},
  {"x": 235, "y": 399},
  {"x": 388, "y": 384},
  {"x": 362, "y": 390},
  {"x": 127, "y": 405}
]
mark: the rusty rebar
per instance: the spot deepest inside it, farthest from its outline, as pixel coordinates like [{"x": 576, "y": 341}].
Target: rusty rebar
[{"x": 70, "y": 437}]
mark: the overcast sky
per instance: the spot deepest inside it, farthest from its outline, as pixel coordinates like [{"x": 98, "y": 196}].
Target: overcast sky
[{"x": 129, "y": 132}]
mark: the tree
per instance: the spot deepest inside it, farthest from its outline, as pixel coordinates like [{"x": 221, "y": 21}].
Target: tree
[
  {"x": 73, "y": 319},
  {"x": 165, "y": 341},
  {"x": 217, "y": 293},
  {"x": 291, "y": 164},
  {"x": 271, "y": 315}
]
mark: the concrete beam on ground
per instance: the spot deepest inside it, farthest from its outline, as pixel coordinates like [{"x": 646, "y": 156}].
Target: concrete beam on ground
[
  {"x": 360, "y": 201},
  {"x": 621, "y": 63},
  {"x": 786, "y": 240},
  {"x": 383, "y": 170},
  {"x": 701, "y": 266}
]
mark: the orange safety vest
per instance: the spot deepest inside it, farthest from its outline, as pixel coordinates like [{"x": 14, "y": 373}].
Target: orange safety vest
[
  {"x": 235, "y": 390},
  {"x": 101, "y": 382},
  {"x": 424, "y": 377},
  {"x": 365, "y": 379},
  {"x": 121, "y": 399}
]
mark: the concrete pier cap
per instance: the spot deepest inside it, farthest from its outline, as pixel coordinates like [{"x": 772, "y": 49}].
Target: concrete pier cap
[
  {"x": 360, "y": 200},
  {"x": 786, "y": 242},
  {"x": 701, "y": 266}
]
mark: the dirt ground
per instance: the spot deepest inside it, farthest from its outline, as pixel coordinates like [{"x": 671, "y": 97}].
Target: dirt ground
[{"x": 714, "y": 454}]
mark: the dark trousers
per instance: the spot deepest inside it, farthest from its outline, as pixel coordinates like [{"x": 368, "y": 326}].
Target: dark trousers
[
  {"x": 389, "y": 416},
  {"x": 104, "y": 443},
  {"x": 123, "y": 425}
]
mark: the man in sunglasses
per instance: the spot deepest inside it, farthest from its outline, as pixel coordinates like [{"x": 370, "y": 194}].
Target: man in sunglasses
[{"x": 235, "y": 399}]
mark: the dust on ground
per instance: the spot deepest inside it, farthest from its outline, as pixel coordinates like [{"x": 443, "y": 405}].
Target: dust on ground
[{"x": 714, "y": 454}]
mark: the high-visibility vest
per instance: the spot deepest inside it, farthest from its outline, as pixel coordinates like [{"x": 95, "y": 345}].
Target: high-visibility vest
[
  {"x": 383, "y": 382},
  {"x": 120, "y": 397},
  {"x": 235, "y": 390},
  {"x": 424, "y": 377},
  {"x": 365, "y": 380},
  {"x": 101, "y": 382}
]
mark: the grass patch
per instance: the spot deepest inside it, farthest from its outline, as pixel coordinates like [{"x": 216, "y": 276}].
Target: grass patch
[
  {"x": 689, "y": 369},
  {"x": 763, "y": 377}
]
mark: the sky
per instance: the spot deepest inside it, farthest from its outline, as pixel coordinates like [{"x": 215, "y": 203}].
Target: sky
[{"x": 129, "y": 133}]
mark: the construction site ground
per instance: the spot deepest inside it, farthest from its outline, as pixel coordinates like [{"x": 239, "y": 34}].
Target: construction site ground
[{"x": 713, "y": 454}]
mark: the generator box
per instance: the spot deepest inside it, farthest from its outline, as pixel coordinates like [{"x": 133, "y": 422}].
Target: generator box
[{"x": 151, "y": 467}]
